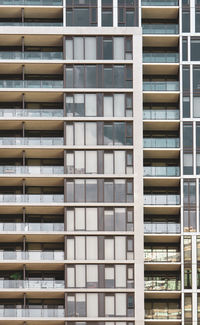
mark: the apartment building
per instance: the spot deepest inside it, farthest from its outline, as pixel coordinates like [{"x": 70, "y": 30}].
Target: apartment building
[{"x": 99, "y": 162}]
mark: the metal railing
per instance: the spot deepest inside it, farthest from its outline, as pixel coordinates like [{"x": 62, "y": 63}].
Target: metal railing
[
  {"x": 161, "y": 114},
  {"x": 168, "y": 171},
  {"x": 161, "y": 142},
  {"x": 161, "y": 199}
]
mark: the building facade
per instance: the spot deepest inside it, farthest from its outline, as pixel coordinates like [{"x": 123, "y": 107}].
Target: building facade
[{"x": 99, "y": 162}]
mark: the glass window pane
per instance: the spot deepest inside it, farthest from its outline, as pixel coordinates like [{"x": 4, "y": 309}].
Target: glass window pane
[
  {"x": 91, "y": 190},
  {"x": 108, "y": 220},
  {"x": 92, "y": 305},
  {"x": 108, "y": 163},
  {"x": 120, "y": 274},
  {"x": 70, "y": 277},
  {"x": 80, "y": 218},
  {"x": 78, "y": 76},
  {"x": 79, "y": 105},
  {"x": 81, "y": 17},
  {"x": 69, "y": 77},
  {"x": 91, "y": 76},
  {"x": 79, "y": 162},
  {"x": 92, "y": 248},
  {"x": 120, "y": 190},
  {"x": 69, "y": 49},
  {"x": 79, "y": 133},
  {"x": 90, "y": 48},
  {"x": 118, "y": 48},
  {"x": 119, "y": 105},
  {"x": 91, "y": 162},
  {"x": 120, "y": 219},
  {"x": 120, "y": 162},
  {"x": 91, "y": 133},
  {"x": 69, "y": 135},
  {"x": 107, "y": 49},
  {"x": 70, "y": 249},
  {"x": 109, "y": 249},
  {"x": 80, "y": 276},
  {"x": 119, "y": 76},
  {"x": 79, "y": 190},
  {"x": 91, "y": 218},
  {"x": 109, "y": 306},
  {"x": 92, "y": 276},
  {"x": 108, "y": 106},
  {"x": 70, "y": 220},
  {"x": 80, "y": 248},
  {"x": 120, "y": 248},
  {"x": 120, "y": 304},
  {"x": 90, "y": 105},
  {"x": 78, "y": 48}
]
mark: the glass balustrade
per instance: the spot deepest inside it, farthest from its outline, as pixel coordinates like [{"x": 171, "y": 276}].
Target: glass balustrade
[
  {"x": 32, "y": 2},
  {"x": 159, "y": 3},
  {"x": 162, "y": 284},
  {"x": 161, "y": 255},
  {"x": 31, "y": 312},
  {"x": 160, "y": 57},
  {"x": 161, "y": 171},
  {"x": 161, "y": 85},
  {"x": 50, "y": 170},
  {"x": 31, "y": 84},
  {"x": 160, "y": 28},
  {"x": 31, "y": 198},
  {"x": 32, "y": 255},
  {"x": 161, "y": 228},
  {"x": 161, "y": 199},
  {"x": 31, "y": 112},
  {"x": 161, "y": 142},
  {"x": 9, "y": 141},
  {"x": 163, "y": 313},
  {"x": 30, "y": 55},
  {"x": 42, "y": 284},
  {"x": 32, "y": 226},
  {"x": 31, "y": 23},
  {"x": 161, "y": 114}
]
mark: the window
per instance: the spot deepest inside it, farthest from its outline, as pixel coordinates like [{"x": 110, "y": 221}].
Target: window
[
  {"x": 118, "y": 190},
  {"x": 81, "y": 105},
  {"x": 188, "y": 136},
  {"x": 197, "y": 20},
  {"x": 82, "y": 248},
  {"x": 118, "y": 133},
  {"x": 81, "y": 13},
  {"x": 186, "y": 78},
  {"x": 195, "y": 49},
  {"x": 81, "y": 133},
  {"x": 82, "y": 305},
  {"x": 187, "y": 307},
  {"x": 186, "y": 107},
  {"x": 186, "y": 20},
  {"x": 196, "y": 78},
  {"x": 107, "y": 12},
  {"x": 103, "y": 76},
  {"x": 185, "y": 48},
  {"x": 118, "y": 248},
  {"x": 127, "y": 13},
  {"x": 118, "y": 162}
]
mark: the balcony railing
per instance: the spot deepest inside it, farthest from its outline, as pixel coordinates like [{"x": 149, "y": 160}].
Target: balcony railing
[
  {"x": 32, "y": 23},
  {"x": 160, "y": 57},
  {"x": 31, "y": 84},
  {"x": 49, "y": 170},
  {"x": 35, "y": 312},
  {"x": 156, "y": 171},
  {"x": 31, "y": 198},
  {"x": 161, "y": 114},
  {"x": 163, "y": 285},
  {"x": 163, "y": 314},
  {"x": 159, "y": 3},
  {"x": 6, "y": 141},
  {"x": 30, "y": 55},
  {"x": 161, "y": 142},
  {"x": 32, "y": 2},
  {"x": 160, "y": 28},
  {"x": 31, "y": 112},
  {"x": 161, "y": 199},
  {"x": 31, "y": 284},
  {"x": 31, "y": 226},
  {"x": 32, "y": 255},
  {"x": 161, "y": 228},
  {"x": 161, "y": 85},
  {"x": 161, "y": 256}
]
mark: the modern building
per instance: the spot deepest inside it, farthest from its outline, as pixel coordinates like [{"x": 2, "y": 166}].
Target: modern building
[{"x": 99, "y": 162}]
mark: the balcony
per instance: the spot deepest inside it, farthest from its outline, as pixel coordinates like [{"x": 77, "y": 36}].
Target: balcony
[
  {"x": 160, "y": 3},
  {"x": 161, "y": 142},
  {"x": 160, "y": 171},
  {"x": 161, "y": 85},
  {"x": 30, "y": 55},
  {"x": 161, "y": 283},
  {"x": 35, "y": 312},
  {"x": 34, "y": 141},
  {"x": 31, "y": 22},
  {"x": 161, "y": 255},
  {"x": 31, "y": 112},
  {"x": 32, "y": 255},
  {"x": 32, "y": 198},
  {"x": 161, "y": 227},
  {"x": 161, "y": 57},
  {"x": 161, "y": 199},
  {"x": 32, "y": 2},
  {"x": 161, "y": 114},
  {"x": 31, "y": 84},
  {"x": 31, "y": 226},
  {"x": 160, "y": 29},
  {"x": 163, "y": 313},
  {"x": 30, "y": 170},
  {"x": 32, "y": 284}
]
